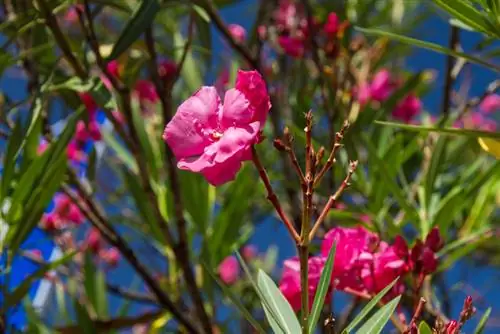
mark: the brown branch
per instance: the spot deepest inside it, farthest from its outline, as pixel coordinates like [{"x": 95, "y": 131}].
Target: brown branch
[
  {"x": 449, "y": 79},
  {"x": 105, "y": 326},
  {"x": 331, "y": 158},
  {"x": 181, "y": 249},
  {"x": 211, "y": 10},
  {"x": 51, "y": 21},
  {"x": 271, "y": 195},
  {"x": 98, "y": 220},
  {"x": 416, "y": 315},
  {"x": 333, "y": 199},
  {"x": 293, "y": 158}
]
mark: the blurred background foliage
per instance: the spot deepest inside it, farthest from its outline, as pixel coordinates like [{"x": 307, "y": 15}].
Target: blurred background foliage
[{"x": 410, "y": 178}]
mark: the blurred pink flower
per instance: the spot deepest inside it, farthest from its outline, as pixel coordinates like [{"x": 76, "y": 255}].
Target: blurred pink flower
[
  {"x": 452, "y": 327},
  {"x": 50, "y": 222},
  {"x": 229, "y": 270},
  {"x": 353, "y": 245},
  {"x": 74, "y": 152},
  {"x": 434, "y": 240},
  {"x": 490, "y": 104},
  {"x": 146, "y": 91},
  {"x": 93, "y": 240},
  {"x": 249, "y": 252},
  {"x": 110, "y": 256},
  {"x": 67, "y": 210},
  {"x": 238, "y": 32},
  {"x": 166, "y": 69},
  {"x": 408, "y": 108},
  {"x": 71, "y": 15},
  {"x": 292, "y": 46},
  {"x": 89, "y": 102},
  {"x": 423, "y": 259},
  {"x": 212, "y": 138},
  {"x": 290, "y": 280},
  {"x": 88, "y": 131},
  {"x": 381, "y": 86},
  {"x": 387, "y": 265},
  {"x": 363, "y": 93},
  {"x": 42, "y": 147},
  {"x": 331, "y": 26}
]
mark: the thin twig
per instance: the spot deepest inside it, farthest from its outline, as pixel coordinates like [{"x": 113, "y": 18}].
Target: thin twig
[
  {"x": 416, "y": 315},
  {"x": 333, "y": 199},
  {"x": 331, "y": 158},
  {"x": 271, "y": 195},
  {"x": 449, "y": 79},
  {"x": 293, "y": 158},
  {"x": 211, "y": 10}
]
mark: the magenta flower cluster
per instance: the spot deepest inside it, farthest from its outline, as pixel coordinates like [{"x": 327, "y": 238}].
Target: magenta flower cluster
[{"x": 363, "y": 264}]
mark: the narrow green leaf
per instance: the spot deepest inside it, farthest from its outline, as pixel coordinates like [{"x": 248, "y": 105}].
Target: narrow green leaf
[
  {"x": 436, "y": 163},
  {"x": 377, "y": 322},
  {"x": 323, "y": 285},
  {"x": 423, "y": 328},
  {"x": 466, "y": 13},
  {"x": 429, "y": 46},
  {"x": 9, "y": 162},
  {"x": 367, "y": 309},
  {"x": 120, "y": 151},
  {"x": 95, "y": 287},
  {"x": 22, "y": 289},
  {"x": 277, "y": 303},
  {"x": 236, "y": 300},
  {"x": 85, "y": 323},
  {"x": 279, "y": 327},
  {"x": 449, "y": 207},
  {"x": 190, "y": 71},
  {"x": 482, "y": 323},
  {"x": 142, "y": 17},
  {"x": 388, "y": 180},
  {"x": 449, "y": 131}
]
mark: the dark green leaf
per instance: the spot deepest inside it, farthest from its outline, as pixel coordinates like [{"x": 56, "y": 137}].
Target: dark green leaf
[
  {"x": 430, "y": 46},
  {"x": 95, "y": 287},
  {"x": 142, "y": 18},
  {"x": 450, "y": 131},
  {"x": 236, "y": 300},
  {"x": 423, "y": 328},
  {"x": 435, "y": 165},
  {"x": 21, "y": 290}
]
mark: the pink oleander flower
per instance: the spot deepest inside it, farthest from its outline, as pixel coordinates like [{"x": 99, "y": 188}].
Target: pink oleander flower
[
  {"x": 166, "y": 69},
  {"x": 434, "y": 240},
  {"x": 292, "y": 45},
  {"x": 71, "y": 15},
  {"x": 353, "y": 247},
  {"x": 88, "y": 131},
  {"x": 362, "y": 93},
  {"x": 290, "y": 280},
  {"x": 384, "y": 268},
  {"x": 229, "y": 270},
  {"x": 490, "y": 104},
  {"x": 249, "y": 252},
  {"x": 214, "y": 138},
  {"x": 67, "y": 211},
  {"x": 50, "y": 222},
  {"x": 286, "y": 15},
  {"x": 331, "y": 26},
  {"x": 42, "y": 147},
  {"x": 146, "y": 91},
  {"x": 110, "y": 256},
  {"x": 93, "y": 240},
  {"x": 74, "y": 153},
  {"x": 408, "y": 108},
  {"x": 452, "y": 327},
  {"x": 238, "y": 32},
  {"x": 381, "y": 86},
  {"x": 89, "y": 103}
]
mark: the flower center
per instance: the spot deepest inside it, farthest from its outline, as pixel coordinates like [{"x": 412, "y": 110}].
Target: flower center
[{"x": 216, "y": 135}]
